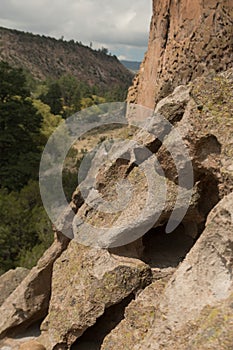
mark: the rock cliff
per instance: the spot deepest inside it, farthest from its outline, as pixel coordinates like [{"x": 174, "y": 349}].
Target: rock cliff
[{"x": 187, "y": 39}]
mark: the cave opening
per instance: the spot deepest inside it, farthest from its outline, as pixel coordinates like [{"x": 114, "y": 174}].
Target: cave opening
[{"x": 162, "y": 250}]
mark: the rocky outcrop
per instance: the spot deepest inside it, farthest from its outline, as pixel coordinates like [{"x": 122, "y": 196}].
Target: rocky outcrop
[
  {"x": 205, "y": 277},
  {"x": 196, "y": 289},
  {"x": 206, "y": 131},
  {"x": 86, "y": 281},
  {"x": 10, "y": 281},
  {"x": 138, "y": 204},
  {"x": 30, "y": 300},
  {"x": 187, "y": 39}
]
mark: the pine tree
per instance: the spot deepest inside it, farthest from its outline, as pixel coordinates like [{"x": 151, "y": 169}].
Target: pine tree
[{"x": 19, "y": 128}]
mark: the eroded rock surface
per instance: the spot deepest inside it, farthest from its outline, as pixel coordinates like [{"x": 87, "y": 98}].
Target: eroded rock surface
[
  {"x": 201, "y": 286},
  {"x": 187, "y": 39},
  {"x": 86, "y": 281}
]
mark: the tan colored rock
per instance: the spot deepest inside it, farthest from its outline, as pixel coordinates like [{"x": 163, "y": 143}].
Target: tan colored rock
[
  {"x": 195, "y": 305},
  {"x": 186, "y": 126},
  {"x": 187, "y": 39},
  {"x": 86, "y": 281},
  {"x": 204, "y": 121},
  {"x": 205, "y": 276},
  {"x": 205, "y": 124},
  {"x": 30, "y": 300},
  {"x": 139, "y": 319},
  {"x": 213, "y": 327},
  {"x": 137, "y": 205},
  {"x": 31, "y": 345},
  {"x": 10, "y": 281}
]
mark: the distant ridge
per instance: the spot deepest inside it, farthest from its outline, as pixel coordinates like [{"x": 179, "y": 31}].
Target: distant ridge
[
  {"x": 131, "y": 65},
  {"x": 48, "y": 57}
]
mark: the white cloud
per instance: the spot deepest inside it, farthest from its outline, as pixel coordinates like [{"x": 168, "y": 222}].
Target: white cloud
[
  {"x": 122, "y": 57},
  {"x": 119, "y": 25}
]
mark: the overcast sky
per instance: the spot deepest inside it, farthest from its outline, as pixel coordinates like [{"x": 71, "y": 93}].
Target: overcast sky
[{"x": 120, "y": 25}]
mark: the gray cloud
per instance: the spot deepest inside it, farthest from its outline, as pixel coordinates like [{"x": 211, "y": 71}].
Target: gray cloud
[{"x": 120, "y": 25}]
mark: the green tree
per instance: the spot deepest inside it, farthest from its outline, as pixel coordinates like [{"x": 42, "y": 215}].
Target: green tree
[
  {"x": 25, "y": 229},
  {"x": 53, "y": 98},
  {"x": 49, "y": 123},
  {"x": 71, "y": 95},
  {"x": 19, "y": 128}
]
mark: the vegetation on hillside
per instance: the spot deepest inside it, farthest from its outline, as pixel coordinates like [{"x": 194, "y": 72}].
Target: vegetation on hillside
[
  {"x": 67, "y": 95},
  {"x": 30, "y": 110},
  {"x": 46, "y": 57}
]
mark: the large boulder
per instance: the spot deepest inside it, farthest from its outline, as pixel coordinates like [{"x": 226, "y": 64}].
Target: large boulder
[
  {"x": 86, "y": 281},
  {"x": 125, "y": 194},
  {"x": 29, "y": 302}
]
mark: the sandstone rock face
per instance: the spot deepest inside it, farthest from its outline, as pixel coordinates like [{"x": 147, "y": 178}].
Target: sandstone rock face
[
  {"x": 206, "y": 128},
  {"x": 187, "y": 39},
  {"x": 208, "y": 266},
  {"x": 86, "y": 281},
  {"x": 30, "y": 300},
  {"x": 10, "y": 281},
  {"x": 202, "y": 284}
]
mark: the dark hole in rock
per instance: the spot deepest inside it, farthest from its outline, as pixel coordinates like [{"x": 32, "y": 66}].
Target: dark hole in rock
[
  {"x": 32, "y": 331},
  {"x": 93, "y": 338},
  {"x": 154, "y": 146},
  {"x": 25, "y": 334},
  {"x": 206, "y": 146},
  {"x": 174, "y": 112},
  {"x": 209, "y": 193},
  {"x": 162, "y": 250}
]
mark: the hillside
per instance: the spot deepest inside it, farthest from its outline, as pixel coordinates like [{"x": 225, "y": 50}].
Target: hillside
[{"x": 47, "y": 57}]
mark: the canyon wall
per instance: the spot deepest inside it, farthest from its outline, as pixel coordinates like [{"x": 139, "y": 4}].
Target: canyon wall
[{"x": 187, "y": 39}]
